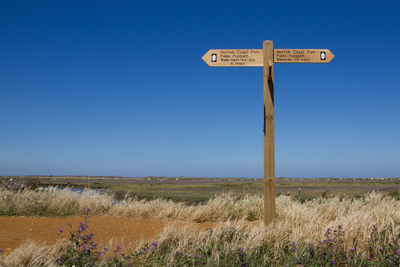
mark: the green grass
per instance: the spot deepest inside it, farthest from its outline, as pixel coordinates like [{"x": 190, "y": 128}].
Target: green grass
[{"x": 198, "y": 190}]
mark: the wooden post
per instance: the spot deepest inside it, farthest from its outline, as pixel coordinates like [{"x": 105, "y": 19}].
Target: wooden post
[
  {"x": 266, "y": 58},
  {"x": 269, "y": 137}
]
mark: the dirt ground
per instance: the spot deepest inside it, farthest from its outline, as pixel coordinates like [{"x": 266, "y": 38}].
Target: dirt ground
[{"x": 123, "y": 231}]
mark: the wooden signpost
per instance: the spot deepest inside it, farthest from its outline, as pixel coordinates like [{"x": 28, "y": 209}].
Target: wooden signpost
[{"x": 266, "y": 58}]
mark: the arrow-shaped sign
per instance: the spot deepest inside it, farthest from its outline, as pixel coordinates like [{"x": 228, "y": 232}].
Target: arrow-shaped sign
[
  {"x": 234, "y": 58},
  {"x": 302, "y": 56},
  {"x": 254, "y": 57}
]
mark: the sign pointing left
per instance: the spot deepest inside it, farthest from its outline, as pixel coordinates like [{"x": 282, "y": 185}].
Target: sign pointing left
[{"x": 234, "y": 58}]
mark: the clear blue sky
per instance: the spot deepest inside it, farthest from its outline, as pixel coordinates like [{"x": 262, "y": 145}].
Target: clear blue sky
[{"x": 119, "y": 88}]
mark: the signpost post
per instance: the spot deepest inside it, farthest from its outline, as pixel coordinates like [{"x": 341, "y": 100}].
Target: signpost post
[{"x": 266, "y": 58}]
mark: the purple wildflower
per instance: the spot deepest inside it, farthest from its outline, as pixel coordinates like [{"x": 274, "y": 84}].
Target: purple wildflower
[
  {"x": 61, "y": 230},
  {"x": 241, "y": 250},
  {"x": 352, "y": 249},
  {"x": 398, "y": 252},
  {"x": 369, "y": 258},
  {"x": 2, "y": 251},
  {"x": 99, "y": 254},
  {"x": 333, "y": 261},
  {"x": 154, "y": 244},
  {"x": 380, "y": 248},
  {"x": 119, "y": 247},
  {"x": 87, "y": 210}
]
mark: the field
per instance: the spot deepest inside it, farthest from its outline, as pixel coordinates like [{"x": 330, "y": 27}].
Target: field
[
  {"x": 195, "y": 190},
  {"x": 158, "y": 221}
]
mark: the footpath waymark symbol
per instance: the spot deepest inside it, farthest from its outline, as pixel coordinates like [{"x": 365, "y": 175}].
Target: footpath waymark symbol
[
  {"x": 266, "y": 58},
  {"x": 323, "y": 55}
]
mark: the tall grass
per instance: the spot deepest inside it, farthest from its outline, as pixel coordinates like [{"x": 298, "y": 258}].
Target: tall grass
[
  {"x": 240, "y": 233},
  {"x": 65, "y": 202}
]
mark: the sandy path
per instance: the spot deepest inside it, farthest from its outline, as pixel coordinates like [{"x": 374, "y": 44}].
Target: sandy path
[{"x": 125, "y": 231}]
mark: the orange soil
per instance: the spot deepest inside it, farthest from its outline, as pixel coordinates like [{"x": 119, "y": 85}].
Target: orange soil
[{"x": 125, "y": 231}]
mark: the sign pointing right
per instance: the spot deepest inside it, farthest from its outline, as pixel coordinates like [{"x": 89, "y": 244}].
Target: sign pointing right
[{"x": 302, "y": 56}]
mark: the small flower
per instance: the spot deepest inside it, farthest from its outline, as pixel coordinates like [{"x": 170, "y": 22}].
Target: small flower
[
  {"x": 352, "y": 249},
  {"x": 119, "y": 247},
  {"x": 87, "y": 210},
  {"x": 242, "y": 250},
  {"x": 154, "y": 244},
  {"x": 333, "y": 261},
  {"x": 2, "y": 251},
  {"x": 369, "y": 258},
  {"x": 99, "y": 254},
  {"x": 380, "y": 248},
  {"x": 398, "y": 252},
  {"x": 61, "y": 230}
]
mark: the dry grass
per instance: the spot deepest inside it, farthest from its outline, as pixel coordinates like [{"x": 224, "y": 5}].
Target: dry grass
[
  {"x": 295, "y": 222},
  {"x": 30, "y": 254}
]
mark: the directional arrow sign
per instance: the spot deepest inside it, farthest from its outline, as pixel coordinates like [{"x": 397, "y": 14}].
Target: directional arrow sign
[
  {"x": 254, "y": 57},
  {"x": 266, "y": 58},
  {"x": 234, "y": 58},
  {"x": 302, "y": 56}
]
